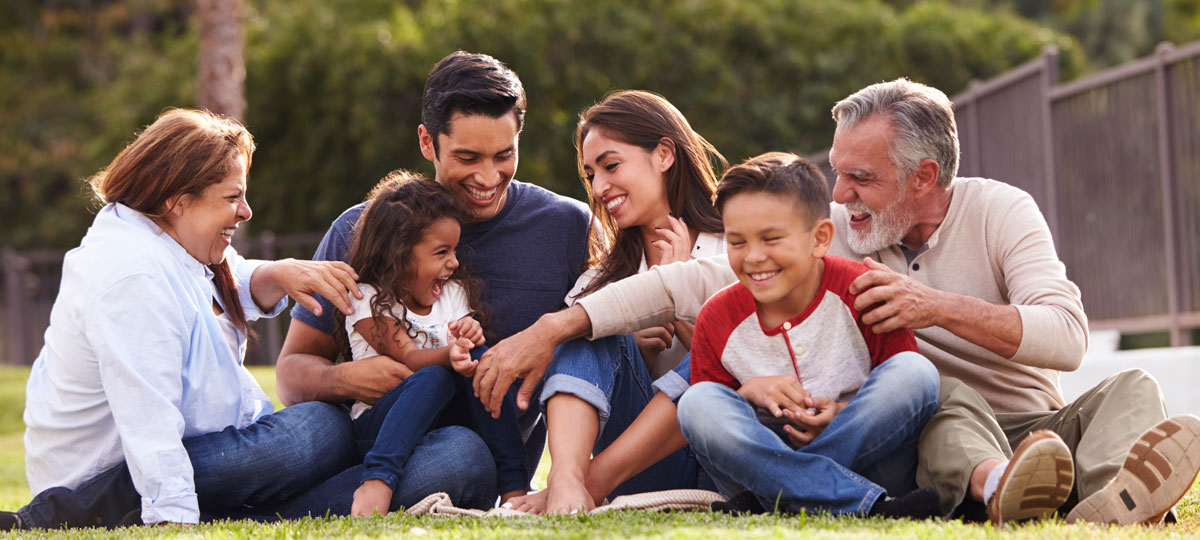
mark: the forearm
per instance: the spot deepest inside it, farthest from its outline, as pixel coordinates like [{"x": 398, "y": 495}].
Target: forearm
[
  {"x": 308, "y": 377},
  {"x": 657, "y": 296},
  {"x": 652, "y": 436},
  {"x": 563, "y": 326},
  {"x": 996, "y": 328},
  {"x": 264, "y": 286}
]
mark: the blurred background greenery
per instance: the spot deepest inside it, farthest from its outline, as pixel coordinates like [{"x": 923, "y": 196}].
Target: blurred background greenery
[{"x": 333, "y": 87}]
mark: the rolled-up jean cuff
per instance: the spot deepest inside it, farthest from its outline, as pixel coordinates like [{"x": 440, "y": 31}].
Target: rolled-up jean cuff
[
  {"x": 391, "y": 480},
  {"x": 671, "y": 385},
  {"x": 580, "y": 388}
]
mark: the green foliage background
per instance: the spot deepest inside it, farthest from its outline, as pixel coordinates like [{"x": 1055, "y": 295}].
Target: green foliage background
[{"x": 334, "y": 86}]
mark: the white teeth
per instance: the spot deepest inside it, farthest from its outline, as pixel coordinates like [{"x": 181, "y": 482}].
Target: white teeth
[
  {"x": 759, "y": 276},
  {"x": 480, "y": 194},
  {"x": 228, "y": 232},
  {"x": 615, "y": 202}
]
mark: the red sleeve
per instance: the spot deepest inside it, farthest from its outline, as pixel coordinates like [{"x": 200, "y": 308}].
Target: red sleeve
[
  {"x": 708, "y": 342},
  {"x": 880, "y": 346}
]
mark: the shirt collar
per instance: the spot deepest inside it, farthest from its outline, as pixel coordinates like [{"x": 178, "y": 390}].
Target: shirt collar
[{"x": 143, "y": 222}]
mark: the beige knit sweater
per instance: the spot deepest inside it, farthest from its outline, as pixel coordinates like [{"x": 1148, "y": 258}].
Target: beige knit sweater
[{"x": 994, "y": 245}]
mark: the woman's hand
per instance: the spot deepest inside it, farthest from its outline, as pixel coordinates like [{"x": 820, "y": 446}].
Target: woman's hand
[
  {"x": 654, "y": 340},
  {"x": 467, "y": 327},
  {"x": 675, "y": 242},
  {"x": 333, "y": 280},
  {"x": 684, "y": 331},
  {"x": 460, "y": 357}
]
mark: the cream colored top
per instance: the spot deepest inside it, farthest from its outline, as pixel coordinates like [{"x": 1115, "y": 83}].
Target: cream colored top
[{"x": 994, "y": 245}]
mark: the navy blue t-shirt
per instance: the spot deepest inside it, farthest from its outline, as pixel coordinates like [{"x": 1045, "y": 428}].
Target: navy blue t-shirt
[{"x": 528, "y": 257}]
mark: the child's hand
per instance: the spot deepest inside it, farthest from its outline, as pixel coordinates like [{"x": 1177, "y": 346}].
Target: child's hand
[
  {"x": 775, "y": 394},
  {"x": 460, "y": 357},
  {"x": 807, "y": 424},
  {"x": 467, "y": 327}
]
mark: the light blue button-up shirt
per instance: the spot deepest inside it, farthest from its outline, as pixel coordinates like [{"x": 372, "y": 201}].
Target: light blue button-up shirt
[{"x": 134, "y": 362}]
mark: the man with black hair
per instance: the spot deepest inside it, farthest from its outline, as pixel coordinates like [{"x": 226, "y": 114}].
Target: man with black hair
[{"x": 527, "y": 246}]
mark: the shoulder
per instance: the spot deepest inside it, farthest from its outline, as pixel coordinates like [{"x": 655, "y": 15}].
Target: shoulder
[
  {"x": 986, "y": 195},
  {"x": 336, "y": 242},
  {"x": 729, "y": 305},
  {"x": 840, "y": 272},
  {"x": 531, "y": 197}
]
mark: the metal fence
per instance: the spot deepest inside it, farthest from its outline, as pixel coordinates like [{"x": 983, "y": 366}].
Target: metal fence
[{"x": 1113, "y": 161}]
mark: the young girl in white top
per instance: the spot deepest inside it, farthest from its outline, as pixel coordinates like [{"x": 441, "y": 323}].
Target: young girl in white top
[{"x": 417, "y": 308}]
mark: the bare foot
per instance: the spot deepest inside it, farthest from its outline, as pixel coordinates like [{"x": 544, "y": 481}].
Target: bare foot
[
  {"x": 372, "y": 497},
  {"x": 567, "y": 495},
  {"x": 534, "y": 503}
]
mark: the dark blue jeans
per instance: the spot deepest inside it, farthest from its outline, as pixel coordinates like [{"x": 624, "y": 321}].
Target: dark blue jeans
[
  {"x": 276, "y": 458},
  {"x": 436, "y": 397}
]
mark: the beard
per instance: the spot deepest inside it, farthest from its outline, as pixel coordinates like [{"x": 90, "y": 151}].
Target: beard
[{"x": 887, "y": 228}]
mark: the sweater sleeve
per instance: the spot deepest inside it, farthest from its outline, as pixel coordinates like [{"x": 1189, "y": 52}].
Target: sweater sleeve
[
  {"x": 1053, "y": 325},
  {"x": 656, "y": 296}
]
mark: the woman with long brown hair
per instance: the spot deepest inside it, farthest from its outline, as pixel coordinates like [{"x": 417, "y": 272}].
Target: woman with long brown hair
[
  {"x": 138, "y": 408},
  {"x": 650, "y": 179}
]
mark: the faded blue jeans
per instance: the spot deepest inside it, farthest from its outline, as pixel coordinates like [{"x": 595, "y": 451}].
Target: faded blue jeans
[
  {"x": 870, "y": 442},
  {"x": 610, "y": 375}
]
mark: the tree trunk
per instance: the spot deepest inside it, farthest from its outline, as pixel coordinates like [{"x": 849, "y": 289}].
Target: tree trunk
[{"x": 222, "y": 68}]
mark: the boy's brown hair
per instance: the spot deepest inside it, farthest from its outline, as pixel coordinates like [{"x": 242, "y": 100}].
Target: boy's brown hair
[{"x": 778, "y": 173}]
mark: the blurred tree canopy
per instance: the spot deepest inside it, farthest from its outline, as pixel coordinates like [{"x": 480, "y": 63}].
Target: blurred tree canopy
[{"x": 334, "y": 86}]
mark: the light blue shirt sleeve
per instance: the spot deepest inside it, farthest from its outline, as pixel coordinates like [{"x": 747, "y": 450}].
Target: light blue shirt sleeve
[
  {"x": 243, "y": 269},
  {"x": 141, "y": 372}
]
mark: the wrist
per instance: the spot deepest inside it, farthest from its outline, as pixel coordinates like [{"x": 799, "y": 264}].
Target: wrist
[{"x": 563, "y": 326}]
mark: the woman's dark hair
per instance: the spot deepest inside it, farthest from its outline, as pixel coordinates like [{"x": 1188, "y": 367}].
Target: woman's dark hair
[
  {"x": 471, "y": 84},
  {"x": 643, "y": 119},
  {"x": 400, "y": 208},
  {"x": 183, "y": 152}
]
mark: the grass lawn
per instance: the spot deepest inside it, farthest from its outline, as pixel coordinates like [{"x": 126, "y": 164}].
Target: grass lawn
[{"x": 14, "y": 493}]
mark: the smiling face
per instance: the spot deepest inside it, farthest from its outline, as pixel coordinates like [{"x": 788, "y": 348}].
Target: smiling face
[
  {"x": 204, "y": 224},
  {"x": 432, "y": 260},
  {"x": 626, "y": 179},
  {"x": 869, "y": 185},
  {"x": 476, "y": 158},
  {"x": 775, "y": 252}
]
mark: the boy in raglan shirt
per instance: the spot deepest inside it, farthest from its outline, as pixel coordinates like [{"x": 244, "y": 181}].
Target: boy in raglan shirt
[{"x": 795, "y": 404}]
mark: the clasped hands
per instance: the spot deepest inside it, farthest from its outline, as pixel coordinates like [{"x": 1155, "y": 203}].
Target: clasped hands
[{"x": 783, "y": 396}]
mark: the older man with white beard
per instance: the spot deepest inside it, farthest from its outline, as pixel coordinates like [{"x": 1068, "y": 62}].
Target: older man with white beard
[{"x": 970, "y": 266}]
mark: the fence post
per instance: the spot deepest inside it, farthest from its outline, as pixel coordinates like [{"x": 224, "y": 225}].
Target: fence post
[
  {"x": 1178, "y": 338},
  {"x": 15, "y": 268},
  {"x": 274, "y": 341},
  {"x": 1049, "y": 78},
  {"x": 972, "y": 150}
]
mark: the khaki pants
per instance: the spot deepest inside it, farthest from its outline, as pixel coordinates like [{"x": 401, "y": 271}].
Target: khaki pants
[{"x": 1099, "y": 428}]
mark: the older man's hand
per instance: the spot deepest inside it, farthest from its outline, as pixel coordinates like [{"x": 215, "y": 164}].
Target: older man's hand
[
  {"x": 525, "y": 354},
  {"x": 889, "y": 300}
]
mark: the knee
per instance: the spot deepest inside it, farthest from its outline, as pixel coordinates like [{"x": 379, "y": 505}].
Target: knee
[
  {"x": 1135, "y": 384},
  {"x": 915, "y": 374},
  {"x": 696, "y": 409}
]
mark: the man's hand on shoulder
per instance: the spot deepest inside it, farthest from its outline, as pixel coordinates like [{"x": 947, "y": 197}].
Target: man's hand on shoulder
[{"x": 888, "y": 300}]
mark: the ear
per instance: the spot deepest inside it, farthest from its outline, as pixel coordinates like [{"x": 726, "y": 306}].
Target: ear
[
  {"x": 664, "y": 153},
  {"x": 822, "y": 237},
  {"x": 426, "y": 142},
  {"x": 925, "y": 176}
]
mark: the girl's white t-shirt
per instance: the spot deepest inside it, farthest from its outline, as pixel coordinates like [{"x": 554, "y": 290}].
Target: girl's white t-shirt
[{"x": 431, "y": 330}]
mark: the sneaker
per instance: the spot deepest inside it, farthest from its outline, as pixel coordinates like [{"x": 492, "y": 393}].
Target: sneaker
[
  {"x": 1037, "y": 481},
  {"x": 1157, "y": 473},
  {"x": 10, "y": 521}
]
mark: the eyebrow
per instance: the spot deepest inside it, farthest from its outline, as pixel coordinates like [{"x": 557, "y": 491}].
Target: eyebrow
[{"x": 603, "y": 155}]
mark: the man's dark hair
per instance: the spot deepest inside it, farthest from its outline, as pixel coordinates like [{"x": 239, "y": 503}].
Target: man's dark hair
[
  {"x": 778, "y": 173},
  {"x": 471, "y": 84}
]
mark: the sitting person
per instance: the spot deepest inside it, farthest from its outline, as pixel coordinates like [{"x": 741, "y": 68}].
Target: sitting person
[
  {"x": 784, "y": 344},
  {"x": 138, "y": 408},
  {"x": 416, "y": 308}
]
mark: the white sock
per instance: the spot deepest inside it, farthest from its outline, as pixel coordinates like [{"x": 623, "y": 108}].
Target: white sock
[{"x": 993, "y": 482}]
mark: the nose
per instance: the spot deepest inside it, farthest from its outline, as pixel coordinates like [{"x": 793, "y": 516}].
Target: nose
[
  {"x": 244, "y": 213},
  {"x": 842, "y": 192},
  {"x": 452, "y": 262},
  {"x": 600, "y": 186},
  {"x": 756, "y": 253}
]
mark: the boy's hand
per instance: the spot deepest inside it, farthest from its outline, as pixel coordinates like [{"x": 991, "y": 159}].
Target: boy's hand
[
  {"x": 467, "y": 327},
  {"x": 805, "y": 425},
  {"x": 460, "y": 357},
  {"x": 775, "y": 394}
]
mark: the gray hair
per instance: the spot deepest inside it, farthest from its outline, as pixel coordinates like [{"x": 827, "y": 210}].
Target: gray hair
[{"x": 923, "y": 120}]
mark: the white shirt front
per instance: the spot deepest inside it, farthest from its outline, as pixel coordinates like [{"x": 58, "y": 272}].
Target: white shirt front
[
  {"x": 134, "y": 362},
  {"x": 430, "y": 330}
]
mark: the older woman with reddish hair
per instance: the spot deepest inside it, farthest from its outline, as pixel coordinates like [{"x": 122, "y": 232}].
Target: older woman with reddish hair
[{"x": 138, "y": 408}]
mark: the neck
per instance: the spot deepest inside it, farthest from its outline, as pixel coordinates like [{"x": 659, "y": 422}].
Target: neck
[
  {"x": 932, "y": 208},
  {"x": 796, "y": 302}
]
